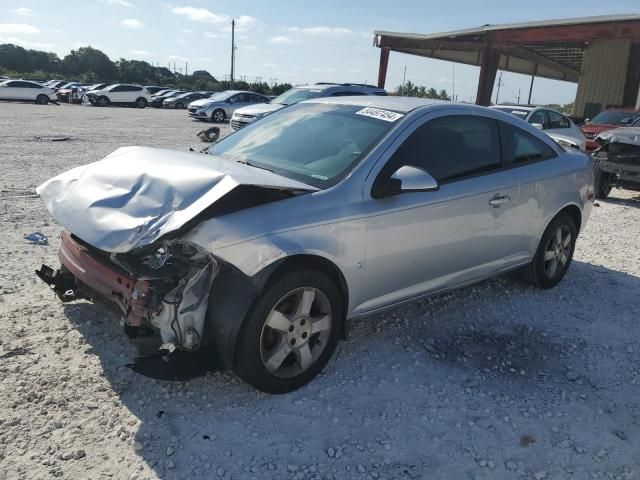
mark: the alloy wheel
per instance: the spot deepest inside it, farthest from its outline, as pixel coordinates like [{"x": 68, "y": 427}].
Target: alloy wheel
[
  {"x": 295, "y": 332},
  {"x": 218, "y": 116},
  {"x": 558, "y": 252}
]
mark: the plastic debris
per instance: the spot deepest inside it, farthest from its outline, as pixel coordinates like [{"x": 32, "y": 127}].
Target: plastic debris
[{"x": 37, "y": 238}]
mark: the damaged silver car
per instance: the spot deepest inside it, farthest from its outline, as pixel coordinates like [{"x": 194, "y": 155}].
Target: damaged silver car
[{"x": 324, "y": 211}]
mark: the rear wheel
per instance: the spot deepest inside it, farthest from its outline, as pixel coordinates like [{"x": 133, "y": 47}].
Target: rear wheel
[
  {"x": 290, "y": 334},
  {"x": 554, "y": 254},
  {"x": 103, "y": 101},
  {"x": 218, "y": 116},
  {"x": 141, "y": 102},
  {"x": 42, "y": 99},
  {"x": 179, "y": 105}
]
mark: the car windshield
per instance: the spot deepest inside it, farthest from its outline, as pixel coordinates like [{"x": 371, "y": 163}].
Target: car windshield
[
  {"x": 514, "y": 111},
  {"x": 616, "y": 117},
  {"x": 317, "y": 144},
  {"x": 296, "y": 95}
]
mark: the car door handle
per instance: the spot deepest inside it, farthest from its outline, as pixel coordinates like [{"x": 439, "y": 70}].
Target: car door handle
[{"x": 498, "y": 200}]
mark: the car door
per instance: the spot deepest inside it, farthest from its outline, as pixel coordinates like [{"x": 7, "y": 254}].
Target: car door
[
  {"x": 237, "y": 101},
  {"x": 20, "y": 90},
  {"x": 118, "y": 94},
  {"x": 422, "y": 242},
  {"x": 9, "y": 91}
]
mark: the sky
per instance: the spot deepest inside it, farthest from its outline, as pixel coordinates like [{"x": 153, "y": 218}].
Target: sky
[{"x": 286, "y": 40}]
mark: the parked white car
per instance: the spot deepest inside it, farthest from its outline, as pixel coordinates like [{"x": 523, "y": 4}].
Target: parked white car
[
  {"x": 553, "y": 123},
  {"x": 120, "y": 94},
  {"x": 221, "y": 106},
  {"x": 23, "y": 90}
]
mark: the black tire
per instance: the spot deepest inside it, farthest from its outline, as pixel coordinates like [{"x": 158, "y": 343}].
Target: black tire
[
  {"x": 248, "y": 359},
  {"x": 218, "y": 116},
  {"x": 179, "y": 106},
  {"x": 103, "y": 101},
  {"x": 141, "y": 102},
  {"x": 536, "y": 273},
  {"x": 601, "y": 180},
  {"x": 42, "y": 99}
]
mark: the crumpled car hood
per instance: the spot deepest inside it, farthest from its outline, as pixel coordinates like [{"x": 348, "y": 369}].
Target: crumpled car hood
[
  {"x": 628, "y": 135},
  {"x": 138, "y": 194}
]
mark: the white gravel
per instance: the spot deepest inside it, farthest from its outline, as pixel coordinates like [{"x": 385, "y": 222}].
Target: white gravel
[{"x": 497, "y": 381}]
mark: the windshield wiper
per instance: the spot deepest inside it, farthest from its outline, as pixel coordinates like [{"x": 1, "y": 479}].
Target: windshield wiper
[{"x": 255, "y": 166}]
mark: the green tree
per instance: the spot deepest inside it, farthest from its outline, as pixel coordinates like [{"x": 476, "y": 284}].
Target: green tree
[{"x": 88, "y": 59}]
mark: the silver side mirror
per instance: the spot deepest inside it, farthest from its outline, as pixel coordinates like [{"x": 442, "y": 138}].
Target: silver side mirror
[
  {"x": 415, "y": 179},
  {"x": 539, "y": 126}
]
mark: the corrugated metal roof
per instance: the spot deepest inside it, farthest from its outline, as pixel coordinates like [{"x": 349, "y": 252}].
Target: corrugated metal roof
[{"x": 512, "y": 26}]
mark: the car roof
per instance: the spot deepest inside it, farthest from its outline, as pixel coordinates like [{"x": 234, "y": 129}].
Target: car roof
[
  {"x": 528, "y": 108},
  {"x": 398, "y": 104}
]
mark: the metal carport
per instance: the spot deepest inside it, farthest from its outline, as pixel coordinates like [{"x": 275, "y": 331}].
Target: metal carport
[{"x": 601, "y": 54}]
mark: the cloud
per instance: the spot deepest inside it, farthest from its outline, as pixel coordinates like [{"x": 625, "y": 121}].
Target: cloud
[
  {"x": 213, "y": 35},
  {"x": 252, "y": 48},
  {"x": 139, "y": 52},
  {"x": 322, "y": 30},
  {"x": 131, "y": 24},
  {"x": 324, "y": 70},
  {"x": 24, "y": 11},
  {"x": 187, "y": 31},
  {"x": 18, "y": 28},
  {"x": 122, "y": 3},
  {"x": 270, "y": 65},
  {"x": 181, "y": 41},
  {"x": 280, "y": 40},
  {"x": 24, "y": 43},
  {"x": 202, "y": 15}
]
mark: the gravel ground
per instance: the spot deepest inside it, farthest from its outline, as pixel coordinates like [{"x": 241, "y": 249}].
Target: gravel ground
[{"x": 496, "y": 381}]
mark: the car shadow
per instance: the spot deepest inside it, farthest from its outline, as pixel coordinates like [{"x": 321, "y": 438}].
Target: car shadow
[
  {"x": 194, "y": 420},
  {"x": 626, "y": 202}
]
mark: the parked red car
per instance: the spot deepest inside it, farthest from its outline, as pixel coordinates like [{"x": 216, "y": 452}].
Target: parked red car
[{"x": 606, "y": 120}]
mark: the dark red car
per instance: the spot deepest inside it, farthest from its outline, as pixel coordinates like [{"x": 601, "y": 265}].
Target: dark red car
[{"x": 606, "y": 120}]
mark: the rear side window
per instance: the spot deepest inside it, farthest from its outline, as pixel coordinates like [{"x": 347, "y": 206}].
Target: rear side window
[
  {"x": 346, "y": 94},
  {"x": 520, "y": 147},
  {"x": 557, "y": 121},
  {"x": 452, "y": 147}
]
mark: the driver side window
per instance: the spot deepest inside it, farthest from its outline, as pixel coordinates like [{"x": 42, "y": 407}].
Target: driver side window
[{"x": 451, "y": 148}]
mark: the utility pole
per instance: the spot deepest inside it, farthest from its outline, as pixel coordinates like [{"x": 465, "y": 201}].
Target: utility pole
[
  {"x": 186, "y": 71},
  {"x": 499, "y": 85},
  {"x": 453, "y": 87},
  {"x": 519, "y": 96},
  {"x": 233, "y": 50},
  {"x": 404, "y": 80}
]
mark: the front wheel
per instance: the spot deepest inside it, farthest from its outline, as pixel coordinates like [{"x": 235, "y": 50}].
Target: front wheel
[
  {"x": 554, "y": 254},
  {"x": 179, "y": 106},
  {"x": 42, "y": 99},
  {"x": 218, "y": 116},
  {"x": 290, "y": 333},
  {"x": 141, "y": 102},
  {"x": 103, "y": 101},
  {"x": 601, "y": 180}
]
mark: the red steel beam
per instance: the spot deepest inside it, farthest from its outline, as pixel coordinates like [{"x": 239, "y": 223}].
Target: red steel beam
[
  {"x": 568, "y": 33},
  {"x": 488, "y": 70},
  {"x": 384, "y": 63}
]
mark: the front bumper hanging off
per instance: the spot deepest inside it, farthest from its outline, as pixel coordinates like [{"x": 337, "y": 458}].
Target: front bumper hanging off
[{"x": 178, "y": 311}]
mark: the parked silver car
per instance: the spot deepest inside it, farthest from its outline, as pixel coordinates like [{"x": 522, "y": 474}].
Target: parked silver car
[
  {"x": 555, "y": 124},
  {"x": 221, "y": 106},
  {"x": 321, "y": 212}
]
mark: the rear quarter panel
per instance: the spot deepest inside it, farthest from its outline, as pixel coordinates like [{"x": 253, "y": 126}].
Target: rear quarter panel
[{"x": 550, "y": 186}]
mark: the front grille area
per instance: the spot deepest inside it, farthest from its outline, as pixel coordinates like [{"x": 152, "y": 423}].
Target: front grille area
[{"x": 237, "y": 125}]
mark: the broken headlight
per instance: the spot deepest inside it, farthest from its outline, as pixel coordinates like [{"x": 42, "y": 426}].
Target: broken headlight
[{"x": 158, "y": 258}]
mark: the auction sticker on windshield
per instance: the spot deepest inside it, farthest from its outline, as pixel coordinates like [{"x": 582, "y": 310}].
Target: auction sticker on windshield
[{"x": 380, "y": 114}]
